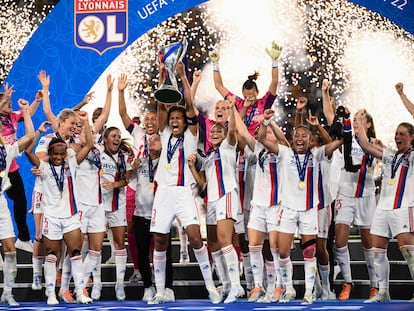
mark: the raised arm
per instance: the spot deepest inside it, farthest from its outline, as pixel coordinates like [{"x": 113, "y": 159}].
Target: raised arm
[
  {"x": 262, "y": 133},
  {"x": 28, "y": 125},
  {"x": 195, "y": 84},
  {"x": 280, "y": 136},
  {"x": 360, "y": 132},
  {"x": 399, "y": 87},
  {"x": 122, "y": 84},
  {"x": 8, "y": 91},
  {"x": 83, "y": 152},
  {"x": 313, "y": 120},
  {"x": 33, "y": 158},
  {"x": 301, "y": 104},
  {"x": 86, "y": 100},
  {"x": 103, "y": 117},
  {"x": 328, "y": 107},
  {"x": 35, "y": 104},
  {"x": 45, "y": 81},
  {"x": 243, "y": 135},
  {"x": 218, "y": 82},
  {"x": 274, "y": 53},
  {"x": 231, "y": 130},
  {"x": 189, "y": 106}
]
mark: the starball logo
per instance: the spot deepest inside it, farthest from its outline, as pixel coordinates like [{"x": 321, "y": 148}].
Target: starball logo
[{"x": 100, "y": 25}]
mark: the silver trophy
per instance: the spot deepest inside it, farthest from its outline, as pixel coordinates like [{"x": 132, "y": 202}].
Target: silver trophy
[{"x": 170, "y": 55}]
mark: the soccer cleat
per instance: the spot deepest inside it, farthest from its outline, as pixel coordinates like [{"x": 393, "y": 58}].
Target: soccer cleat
[
  {"x": 345, "y": 292},
  {"x": 66, "y": 296},
  {"x": 288, "y": 295},
  {"x": 317, "y": 291},
  {"x": 157, "y": 299},
  {"x": 307, "y": 299},
  {"x": 26, "y": 246},
  {"x": 277, "y": 293},
  {"x": 96, "y": 291},
  {"x": 135, "y": 277},
  {"x": 169, "y": 295},
  {"x": 373, "y": 292},
  {"x": 327, "y": 294},
  {"x": 36, "y": 284},
  {"x": 379, "y": 297},
  {"x": 149, "y": 292},
  {"x": 8, "y": 299},
  {"x": 213, "y": 294},
  {"x": 120, "y": 292},
  {"x": 51, "y": 300},
  {"x": 234, "y": 293},
  {"x": 184, "y": 257},
  {"x": 81, "y": 298},
  {"x": 255, "y": 294}
]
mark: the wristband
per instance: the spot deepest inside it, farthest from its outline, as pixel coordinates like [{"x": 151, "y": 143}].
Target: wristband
[
  {"x": 275, "y": 63},
  {"x": 266, "y": 122},
  {"x": 216, "y": 67},
  {"x": 192, "y": 121}
]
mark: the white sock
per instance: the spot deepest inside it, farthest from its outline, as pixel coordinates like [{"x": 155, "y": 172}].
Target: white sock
[
  {"x": 77, "y": 272},
  {"x": 221, "y": 269},
  {"x": 369, "y": 257},
  {"x": 310, "y": 272},
  {"x": 9, "y": 270},
  {"x": 232, "y": 263},
  {"x": 66, "y": 273},
  {"x": 37, "y": 263},
  {"x": 324, "y": 273},
  {"x": 408, "y": 252},
  {"x": 50, "y": 273},
  {"x": 286, "y": 272},
  {"x": 257, "y": 262},
  {"x": 248, "y": 273},
  {"x": 275, "y": 253},
  {"x": 90, "y": 263},
  {"x": 381, "y": 268},
  {"x": 159, "y": 261},
  {"x": 201, "y": 255},
  {"x": 343, "y": 258},
  {"x": 270, "y": 276},
  {"x": 120, "y": 264}
]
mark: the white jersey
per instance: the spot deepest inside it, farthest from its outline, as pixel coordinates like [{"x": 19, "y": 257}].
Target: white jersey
[
  {"x": 297, "y": 194},
  {"x": 360, "y": 183},
  {"x": 397, "y": 191},
  {"x": 12, "y": 151},
  {"x": 220, "y": 170},
  {"x": 175, "y": 171},
  {"x": 140, "y": 143},
  {"x": 337, "y": 164},
  {"x": 144, "y": 195},
  {"x": 57, "y": 203},
  {"x": 245, "y": 176},
  {"x": 44, "y": 141},
  {"x": 324, "y": 183},
  {"x": 88, "y": 178},
  {"x": 266, "y": 190},
  {"x": 113, "y": 199}
]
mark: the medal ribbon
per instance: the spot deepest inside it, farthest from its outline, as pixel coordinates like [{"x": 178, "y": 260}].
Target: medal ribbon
[
  {"x": 248, "y": 118},
  {"x": 59, "y": 179},
  {"x": 171, "y": 149},
  {"x": 302, "y": 167}
]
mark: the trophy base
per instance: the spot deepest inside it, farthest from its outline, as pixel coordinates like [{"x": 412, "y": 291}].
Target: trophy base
[{"x": 168, "y": 95}]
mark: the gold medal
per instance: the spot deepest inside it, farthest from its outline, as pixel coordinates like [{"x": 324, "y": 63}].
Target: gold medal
[
  {"x": 101, "y": 171},
  {"x": 167, "y": 166},
  {"x": 369, "y": 170},
  {"x": 391, "y": 181},
  {"x": 302, "y": 185},
  {"x": 151, "y": 185},
  {"x": 2, "y": 174}
]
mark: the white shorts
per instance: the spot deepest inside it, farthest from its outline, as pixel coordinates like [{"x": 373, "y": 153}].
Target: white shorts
[
  {"x": 54, "y": 228},
  {"x": 6, "y": 224},
  {"x": 263, "y": 218},
  {"x": 306, "y": 222},
  {"x": 358, "y": 211},
  {"x": 171, "y": 202},
  {"x": 37, "y": 202},
  {"x": 92, "y": 218},
  {"x": 227, "y": 207},
  {"x": 116, "y": 219},
  {"x": 324, "y": 221},
  {"x": 391, "y": 223}
]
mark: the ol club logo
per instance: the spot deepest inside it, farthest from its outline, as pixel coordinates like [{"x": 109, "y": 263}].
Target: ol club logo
[{"x": 100, "y": 25}]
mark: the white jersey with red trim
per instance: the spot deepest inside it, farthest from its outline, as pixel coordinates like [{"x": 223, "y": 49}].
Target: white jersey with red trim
[
  {"x": 397, "y": 192},
  {"x": 266, "y": 190},
  {"x": 54, "y": 202},
  {"x": 220, "y": 170},
  {"x": 297, "y": 194},
  {"x": 113, "y": 199},
  {"x": 144, "y": 195},
  {"x": 176, "y": 172}
]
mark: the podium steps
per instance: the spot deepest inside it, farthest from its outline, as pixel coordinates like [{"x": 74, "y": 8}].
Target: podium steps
[{"x": 188, "y": 282}]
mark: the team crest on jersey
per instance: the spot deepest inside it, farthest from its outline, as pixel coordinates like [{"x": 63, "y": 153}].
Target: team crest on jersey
[{"x": 100, "y": 25}]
